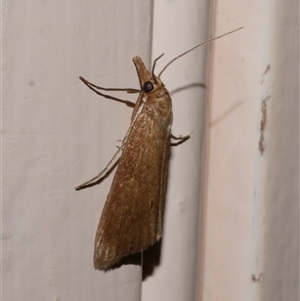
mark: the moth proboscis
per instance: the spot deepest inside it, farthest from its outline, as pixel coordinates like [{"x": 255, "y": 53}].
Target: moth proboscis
[{"x": 132, "y": 217}]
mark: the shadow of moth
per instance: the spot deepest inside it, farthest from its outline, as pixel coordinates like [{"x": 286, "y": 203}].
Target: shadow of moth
[{"x": 132, "y": 217}]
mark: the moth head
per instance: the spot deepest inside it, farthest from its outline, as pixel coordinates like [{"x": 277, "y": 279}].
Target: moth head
[{"x": 148, "y": 80}]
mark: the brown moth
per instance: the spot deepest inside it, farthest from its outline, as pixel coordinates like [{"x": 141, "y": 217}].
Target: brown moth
[{"x": 132, "y": 218}]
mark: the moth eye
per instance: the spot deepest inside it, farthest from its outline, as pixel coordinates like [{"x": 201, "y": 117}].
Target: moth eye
[{"x": 148, "y": 86}]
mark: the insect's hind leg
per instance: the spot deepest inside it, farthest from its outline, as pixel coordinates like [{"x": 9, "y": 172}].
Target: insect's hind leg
[{"x": 180, "y": 138}]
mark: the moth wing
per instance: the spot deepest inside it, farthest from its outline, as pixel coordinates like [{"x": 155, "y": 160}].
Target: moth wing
[{"x": 132, "y": 217}]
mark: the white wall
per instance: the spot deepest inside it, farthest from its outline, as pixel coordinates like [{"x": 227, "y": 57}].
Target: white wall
[
  {"x": 251, "y": 210},
  {"x": 56, "y": 135}
]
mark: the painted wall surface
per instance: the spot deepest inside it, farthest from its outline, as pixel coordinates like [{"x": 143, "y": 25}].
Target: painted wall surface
[
  {"x": 58, "y": 134},
  {"x": 251, "y": 228}
]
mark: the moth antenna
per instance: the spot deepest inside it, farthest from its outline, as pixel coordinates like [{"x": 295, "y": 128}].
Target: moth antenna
[
  {"x": 201, "y": 44},
  {"x": 154, "y": 63}
]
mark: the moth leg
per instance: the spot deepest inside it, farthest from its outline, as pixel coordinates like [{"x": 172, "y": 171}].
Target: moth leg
[
  {"x": 128, "y": 90},
  {"x": 98, "y": 177},
  {"x": 180, "y": 138},
  {"x": 94, "y": 87}
]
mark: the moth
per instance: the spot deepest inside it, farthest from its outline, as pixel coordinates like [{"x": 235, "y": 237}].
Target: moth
[{"x": 132, "y": 217}]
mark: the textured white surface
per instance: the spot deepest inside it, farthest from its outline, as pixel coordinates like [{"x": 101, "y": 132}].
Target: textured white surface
[
  {"x": 57, "y": 134},
  {"x": 252, "y": 199}
]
